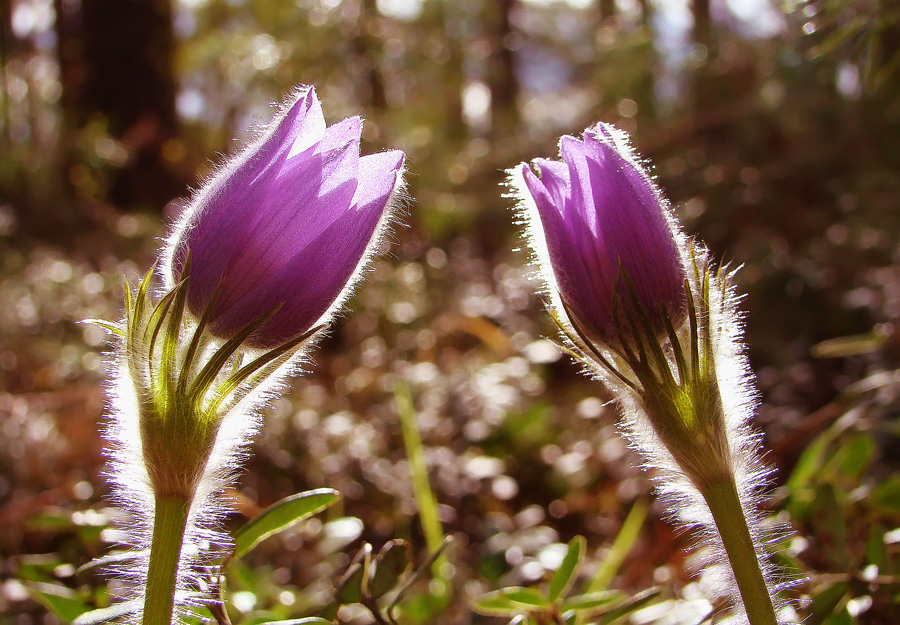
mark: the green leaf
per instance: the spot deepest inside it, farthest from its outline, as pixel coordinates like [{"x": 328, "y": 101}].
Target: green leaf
[
  {"x": 624, "y": 541},
  {"x": 826, "y": 601},
  {"x": 425, "y": 499},
  {"x": 562, "y": 577},
  {"x": 281, "y": 516},
  {"x": 50, "y": 520},
  {"x": 260, "y": 368},
  {"x": 887, "y": 494},
  {"x": 350, "y": 587},
  {"x": 509, "y": 601},
  {"x": 63, "y": 602},
  {"x": 527, "y": 597},
  {"x": 806, "y": 473},
  {"x": 312, "y": 620},
  {"x": 636, "y": 602},
  {"x": 37, "y": 567},
  {"x": 104, "y": 615},
  {"x": 593, "y": 600},
  {"x": 828, "y": 512},
  {"x": 841, "y": 617},
  {"x": 854, "y": 456},
  {"x": 810, "y": 463},
  {"x": 875, "y": 549},
  {"x": 109, "y": 326},
  {"x": 848, "y": 346},
  {"x": 495, "y": 604},
  {"x": 391, "y": 563}
]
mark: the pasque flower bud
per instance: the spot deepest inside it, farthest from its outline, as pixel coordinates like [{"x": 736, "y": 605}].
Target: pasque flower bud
[
  {"x": 263, "y": 255},
  {"x": 282, "y": 229},
  {"x": 607, "y": 230},
  {"x": 643, "y": 309}
]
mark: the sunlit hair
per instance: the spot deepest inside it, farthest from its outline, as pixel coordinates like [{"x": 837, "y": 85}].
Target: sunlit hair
[{"x": 168, "y": 363}]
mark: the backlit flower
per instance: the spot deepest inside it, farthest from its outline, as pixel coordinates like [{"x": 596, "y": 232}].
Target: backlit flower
[
  {"x": 285, "y": 227},
  {"x": 600, "y": 224}
]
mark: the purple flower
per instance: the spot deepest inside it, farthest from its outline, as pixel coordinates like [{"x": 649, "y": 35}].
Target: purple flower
[
  {"x": 286, "y": 226},
  {"x": 601, "y": 217}
]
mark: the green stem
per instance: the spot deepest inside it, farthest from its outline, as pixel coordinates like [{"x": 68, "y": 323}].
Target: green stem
[
  {"x": 428, "y": 510},
  {"x": 169, "y": 522},
  {"x": 725, "y": 505}
]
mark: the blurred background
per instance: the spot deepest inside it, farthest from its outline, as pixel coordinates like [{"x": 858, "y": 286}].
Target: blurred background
[{"x": 774, "y": 128}]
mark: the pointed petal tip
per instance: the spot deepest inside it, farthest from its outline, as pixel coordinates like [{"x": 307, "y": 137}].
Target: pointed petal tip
[
  {"x": 602, "y": 131},
  {"x": 354, "y": 121},
  {"x": 301, "y": 101},
  {"x": 573, "y": 149},
  {"x": 342, "y": 135},
  {"x": 568, "y": 142},
  {"x": 378, "y": 175},
  {"x": 391, "y": 160},
  {"x": 532, "y": 182},
  {"x": 525, "y": 167}
]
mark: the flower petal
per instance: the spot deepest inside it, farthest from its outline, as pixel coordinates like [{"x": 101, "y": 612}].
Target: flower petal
[
  {"x": 555, "y": 178},
  {"x": 377, "y": 178},
  {"x": 343, "y": 243},
  {"x": 297, "y": 209},
  {"x": 636, "y": 232},
  {"x": 318, "y": 272},
  {"x": 229, "y": 202},
  {"x": 313, "y": 128},
  {"x": 285, "y": 226}
]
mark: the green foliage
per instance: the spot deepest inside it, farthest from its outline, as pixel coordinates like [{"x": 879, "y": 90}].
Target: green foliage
[
  {"x": 621, "y": 546},
  {"x": 412, "y": 441},
  {"x": 555, "y": 605},
  {"x": 104, "y": 615},
  {"x": 281, "y": 516},
  {"x": 838, "y": 499},
  {"x": 369, "y": 579},
  {"x": 563, "y": 576},
  {"x": 61, "y": 601}
]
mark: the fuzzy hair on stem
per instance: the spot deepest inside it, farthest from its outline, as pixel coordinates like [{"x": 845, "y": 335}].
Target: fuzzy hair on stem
[{"x": 201, "y": 475}]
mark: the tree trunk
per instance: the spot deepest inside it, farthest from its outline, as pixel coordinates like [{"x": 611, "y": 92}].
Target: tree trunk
[
  {"x": 702, "y": 21},
  {"x": 5, "y": 49},
  {"x": 116, "y": 65},
  {"x": 607, "y": 9},
  {"x": 368, "y": 47},
  {"x": 454, "y": 126},
  {"x": 501, "y": 76}
]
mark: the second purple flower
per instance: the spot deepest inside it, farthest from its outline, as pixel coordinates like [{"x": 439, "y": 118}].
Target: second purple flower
[{"x": 599, "y": 222}]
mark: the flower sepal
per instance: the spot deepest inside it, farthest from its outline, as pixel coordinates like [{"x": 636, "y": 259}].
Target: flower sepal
[
  {"x": 186, "y": 381},
  {"x": 673, "y": 376}
]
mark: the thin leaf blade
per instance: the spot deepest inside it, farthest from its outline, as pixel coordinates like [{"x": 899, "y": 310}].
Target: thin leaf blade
[
  {"x": 61, "y": 601},
  {"x": 592, "y": 600},
  {"x": 563, "y": 576},
  {"x": 280, "y": 516},
  {"x": 510, "y": 601},
  {"x": 311, "y": 620},
  {"x": 107, "y": 614}
]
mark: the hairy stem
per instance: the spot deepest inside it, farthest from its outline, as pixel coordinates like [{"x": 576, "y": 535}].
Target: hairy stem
[
  {"x": 725, "y": 505},
  {"x": 165, "y": 552}
]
